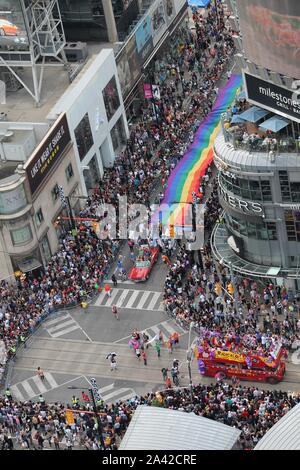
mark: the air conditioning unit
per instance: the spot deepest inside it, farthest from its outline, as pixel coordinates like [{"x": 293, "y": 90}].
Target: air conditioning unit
[{"x": 76, "y": 51}]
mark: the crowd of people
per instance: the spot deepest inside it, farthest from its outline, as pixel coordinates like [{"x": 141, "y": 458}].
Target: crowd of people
[
  {"x": 188, "y": 79},
  {"x": 39, "y": 425},
  {"x": 82, "y": 261}
]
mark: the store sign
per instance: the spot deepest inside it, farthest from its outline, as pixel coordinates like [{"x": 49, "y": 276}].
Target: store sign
[
  {"x": 247, "y": 207},
  {"x": 272, "y": 97},
  {"x": 148, "y": 91},
  {"x": 48, "y": 154}
]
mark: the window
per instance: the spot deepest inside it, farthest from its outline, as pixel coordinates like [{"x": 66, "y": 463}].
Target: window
[
  {"x": 292, "y": 224},
  {"x": 290, "y": 191},
  {"x": 21, "y": 235},
  {"x": 118, "y": 135},
  {"x": 39, "y": 217},
  {"x": 83, "y": 136},
  {"x": 247, "y": 189},
  {"x": 69, "y": 172},
  {"x": 111, "y": 98},
  {"x": 265, "y": 231},
  {"x": 55, "y": 193}
]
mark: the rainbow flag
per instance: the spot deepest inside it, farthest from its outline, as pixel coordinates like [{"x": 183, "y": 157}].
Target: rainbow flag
[{"x": 184, "y": 179}]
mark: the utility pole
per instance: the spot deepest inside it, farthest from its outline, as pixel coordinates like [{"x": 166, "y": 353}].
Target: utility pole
[{"x": 99, "y": 428}]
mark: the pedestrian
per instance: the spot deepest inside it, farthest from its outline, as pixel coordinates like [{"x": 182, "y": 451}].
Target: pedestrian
[
  {"x": 157, "y": 348},
  {"x": 42, "y": 400},
  {"x": 115, "y": 312},
  {"x": 144, "y": 357},
  {"x": 145, "y": 340},
  {"x": 40, "y": 373},
  {"x": 170, "y": 345},
  {"x": 168, "y": 383},
  {"x": 56, "y": 442},
  {"x": 107, "y": 289},
  {"x": 164, "y": 372},
  {"x": 138, "y": 353},
  {"x": 85, "y": 397},
  {"x": 113, "y": 361},
  {"x": 175, "y": 338},
  {"x": 114, "y": 280}
]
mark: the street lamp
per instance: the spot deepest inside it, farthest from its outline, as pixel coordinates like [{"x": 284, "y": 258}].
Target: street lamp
[{"x": 189, "y": 356}]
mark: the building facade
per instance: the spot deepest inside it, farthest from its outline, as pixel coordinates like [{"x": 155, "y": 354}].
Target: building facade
[{"x": 258, "y": 159}]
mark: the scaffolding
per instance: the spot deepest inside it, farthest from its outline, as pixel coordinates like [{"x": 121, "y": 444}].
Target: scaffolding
[{"x": 44, "y": 47}]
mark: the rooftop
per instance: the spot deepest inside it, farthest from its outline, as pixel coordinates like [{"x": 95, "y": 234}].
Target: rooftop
[{"x": 20, "y": 106}]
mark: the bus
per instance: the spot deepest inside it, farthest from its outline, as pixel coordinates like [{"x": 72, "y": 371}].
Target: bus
[{"x": 222, "y": 364}]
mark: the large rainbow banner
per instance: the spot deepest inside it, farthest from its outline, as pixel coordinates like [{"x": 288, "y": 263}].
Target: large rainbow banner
[{"x": 184, "y": 179}]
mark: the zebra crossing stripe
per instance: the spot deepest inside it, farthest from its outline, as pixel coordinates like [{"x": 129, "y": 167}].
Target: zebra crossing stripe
[
  {"x": 39, "y": 384},
  {"x": 65, "y": 331},
  {"x": 154, "y": 300},
  {"x": 111, "y": 299},
  {"x": 122, "y": 297},
  {"x": 143, "y": 300},
  {"x": 105, "y": 389},
  {"x": 55, "y": 320},
  {"x": 16, "y": 393},
  {"x": 115, "y": 393},
  {"x": 30, "y": 392},
  {"x": 168, "y": 327},
  {"x": 60, "y": 326},
  {"x": 51, "y": 380},
  {"x": 132, "y": 298},
  {"x": 100, "y": 298}
]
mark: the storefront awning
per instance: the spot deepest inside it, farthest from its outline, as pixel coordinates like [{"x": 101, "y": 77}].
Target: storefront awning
[
  {"x": 254, "y": 114},
  {"x": 29, "y": 264},
  {"x": 274, "y": 124}
]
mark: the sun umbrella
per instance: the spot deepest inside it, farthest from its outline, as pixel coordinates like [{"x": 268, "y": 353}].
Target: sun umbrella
[
  {"x": 253, "y": 114},
  {"x": 236, "y": 119},
  {"x": 274, "y": 124}
]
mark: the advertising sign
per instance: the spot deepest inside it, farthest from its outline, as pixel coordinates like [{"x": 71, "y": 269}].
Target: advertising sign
[
  {"x": 158, "y": 21},
  {"x": 13, "y": 34},
  {"x": 148, "y": 91},
  {"x": 272, "y": 97},
  {"x": 271, "y": 34},
  {"x": 128, "y": 66},
  {"x": 48, "y": 154},
  {"x": 143, "y": 38},
  {"x": 170, "y": 10}
]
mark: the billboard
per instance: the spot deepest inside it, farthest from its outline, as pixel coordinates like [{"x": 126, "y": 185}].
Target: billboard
[
  {"x": 272, "y": 97},
  {"x": 48, "y": 153},
  {"x": 128, "y": 65},
  {"x": 13, "y": 33},
  {"x": 271, "y": 34},
  {"x": 158, "y": 21},
  {"x": 143, "y": 38}
]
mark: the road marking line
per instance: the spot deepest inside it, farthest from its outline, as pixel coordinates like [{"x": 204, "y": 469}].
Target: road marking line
[
  {"x": 143, "y": 300},
  {"x": 16, "y": 392},
  {"x": 126, "y": 397},
  {"x": 168, "y": 327},
  {"x": 55, "y": 320},
  {"x": 153, "y": 301},
  {"x": 30, "y": 392},
  {"x": 111, "y": 299},
  {"x": 39, "y": 384},
  {"x": 157, "y": 330},
  {"x": 122, "y": 297},
  {"x": 60, "y": 326},
  {"x": 105, "y": 389},
  {"x": 113, "y": 394},
  {"x": 51, "y": 380},
  {"x": 133, "y": 298},
  {"x": 64, "y": 332}
]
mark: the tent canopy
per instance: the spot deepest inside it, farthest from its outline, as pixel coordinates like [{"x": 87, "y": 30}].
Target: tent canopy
[
  {"x": 274, "y": 124},
  {"x": 164, "y": 429},
  {"x": 254, "y": 114},
  {"x": 236, "y": 119},
  {"x": 198, "y": 3}
]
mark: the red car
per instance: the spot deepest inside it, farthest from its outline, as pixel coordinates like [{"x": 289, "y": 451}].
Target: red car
[{"x": 143, "y": 265}]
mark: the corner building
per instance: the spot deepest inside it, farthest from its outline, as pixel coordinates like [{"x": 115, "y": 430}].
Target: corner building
[{"x": 257, "y": 151}]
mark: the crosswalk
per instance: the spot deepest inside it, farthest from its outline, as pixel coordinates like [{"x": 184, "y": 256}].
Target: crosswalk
[
  {"x": 131, "y": 299},
  {"x": 62, "y": 324},
  {"x": 112, "y": 394},
  {"x": 33, "y": 386},
  {"x": 166, "y": 328}
]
